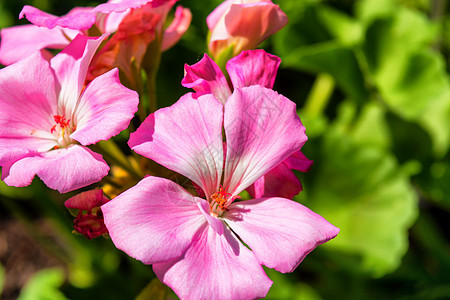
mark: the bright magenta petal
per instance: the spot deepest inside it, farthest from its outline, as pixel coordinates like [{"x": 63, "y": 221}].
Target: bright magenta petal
[
  {"x": 186, "y": 138},
  {"x": 71, "y": 67},
  {"x": 205, "y": 77},
  {"x": 18, "y": 42},
  {"x": 253, "y": 67},
  {"x": 278, "y": 182},
  {"x": 177, "y": 28},
  {"x": 280, "y": 232},
  {"x": 281, "y": 180},
  {"x": 78, "y": 19},
  {"x": 105, "y": 108},
  {"x": 262, "y": 129},
  {"x": 154, "y": 221},
  {"x": 298, "y": 161},
  {"x": 215, "y": 267},
  {"x": 64, "y": 170}
]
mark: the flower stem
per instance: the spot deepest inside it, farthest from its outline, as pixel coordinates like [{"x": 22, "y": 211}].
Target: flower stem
[{"x": 320, "y": 95}]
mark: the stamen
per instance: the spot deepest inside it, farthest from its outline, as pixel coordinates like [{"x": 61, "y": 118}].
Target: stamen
[{"x": 220, "y": 200}]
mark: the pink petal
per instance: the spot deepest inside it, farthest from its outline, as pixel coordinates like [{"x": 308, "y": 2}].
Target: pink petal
[
  {"x": 28, "y": 102},
  {"x": 214, "y": 222},
  {"x": 278, "y": 182},
  {"x": 243, "y": 24},
  {"x": 177, "y": 28},
  {"x": 87, "y": 200},
  {"x": 280, "y": 232},
  {"x": 281, "y": 181},
  {"x": 255, "y": 21},
  {"x": 78, "y": 19},
  {"x": 253, "y": 67},
  {"x": 121, "y": 6},
  {"x": 215, "y": 267},
  {"x": 205, "y": 77},
  {"x": 65, "y": 169},
  {"x": 298, "y": 161},
  {"x": 71, "y": 67},
  {"x": 214, "y": 17},
  {"x": 18, "y": 42},
  {"x": 154, "y": 221},
  {"x": 262, "y": 129},
  {"x": 186, "y": 138},
  {"x": 105, "y": 108}
]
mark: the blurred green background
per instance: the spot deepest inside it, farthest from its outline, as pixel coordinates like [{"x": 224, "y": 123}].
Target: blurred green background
[{"x": 371, "y": 82}]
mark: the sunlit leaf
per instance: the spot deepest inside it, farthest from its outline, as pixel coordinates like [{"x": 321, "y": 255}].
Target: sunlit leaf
[
  {"x": 154, "y": 290},
  {"x": 360, "y": 188},
  {"x": 44, "y": 285}
]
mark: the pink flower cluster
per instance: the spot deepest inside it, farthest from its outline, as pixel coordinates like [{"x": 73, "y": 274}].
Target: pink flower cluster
[{"x": 234, "y": 133}]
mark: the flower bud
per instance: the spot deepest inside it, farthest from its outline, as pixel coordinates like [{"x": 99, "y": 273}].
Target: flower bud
[{"x": 238, "y": 25}]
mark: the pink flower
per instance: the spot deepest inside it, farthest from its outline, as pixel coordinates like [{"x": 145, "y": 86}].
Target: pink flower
[
  {"x": 89, "y": 217},
  {"x": 49, "y": 31},
  {"x": 194, "y": 243},
  {"x": 252, "y": 67},
  {"x": 243, "y": 25},
  {"x": 47, "y": 117}
]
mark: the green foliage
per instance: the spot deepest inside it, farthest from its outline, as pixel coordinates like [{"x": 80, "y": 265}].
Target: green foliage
[
  {"x": 367, "y": 194},
  {"x": 44, "y": 285},
  {"x": 371, "y": 142},
  {"x": 2, "y": 278}
]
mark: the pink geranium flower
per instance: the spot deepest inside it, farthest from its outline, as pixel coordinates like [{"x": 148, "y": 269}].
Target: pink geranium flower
[
  {"x": 253, "y": 67},
  {"x": 53, "y": 32},
  {"x": 48, "y": 116},
  {"x": 195, "y": 244},
  {"x": 243, "y": 25}
]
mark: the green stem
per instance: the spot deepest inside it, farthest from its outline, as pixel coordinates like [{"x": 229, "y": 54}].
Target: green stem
[
  {"x": 320, "y": 95},
  {"x": 113, "y": 153}
]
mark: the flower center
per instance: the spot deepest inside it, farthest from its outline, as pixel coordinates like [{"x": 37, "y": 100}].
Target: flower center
[
  {"x": 219, "y": 201},
  {"x": 62, "y": 130}
]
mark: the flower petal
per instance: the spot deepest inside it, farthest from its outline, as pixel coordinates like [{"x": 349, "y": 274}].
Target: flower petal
[
  {"x": 177, "y": 28},
  {"x": 280, "y": 232},
  {"x": 70, "y": 67},
  {"x": 27, "y": 105},
  {"x": 87, "y": 200},
  {"x": 20, "y": 41},
  {"x": 278, "y": 182},
  {"x": 253, "y": 67},
  {"x": 262, "y": 129},
  {"x": 255, "y": 21},
  {"x": 79, "y": 18},
  {"x": 205, "y": 77},
  {"x": 215, "y": 267},
  {"x": 65, "y": 169},
  {"x": 215, "y": 223},
  {"x": 186, "y": 138},
  {"x": 105, "y": 108},
  {"x": 154, "y": 221},
  {"x": 281, "y": 181},
  {"x": 123, "y": 5},
  {"x": 298, "y": 161}
]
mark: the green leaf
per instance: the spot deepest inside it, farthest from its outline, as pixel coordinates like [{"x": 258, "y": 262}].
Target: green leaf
[
  {"x": 154, "y": 290},
  {"x": 359, "y": 187},
  {"x": 284, "y": 289},
  {"x": 319, "y": 39},
  {"x": 15, "y": 192},
  {"x": 44, "y": 286},
  {"x": 410, "y": 77},
  {"x": 2, "y": 278}
]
